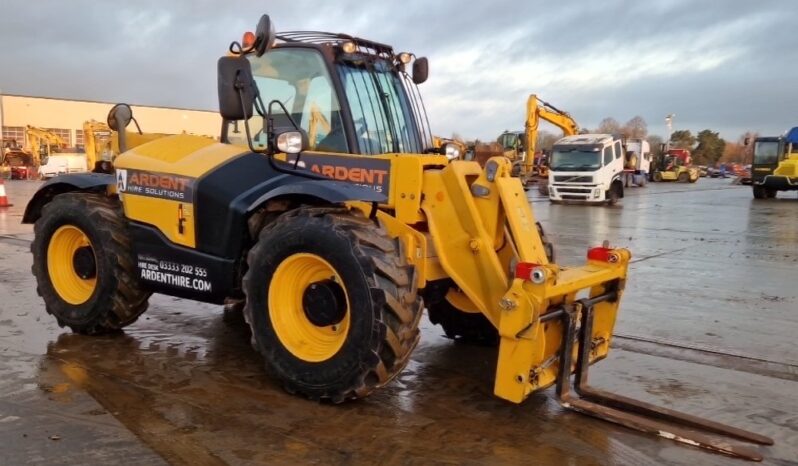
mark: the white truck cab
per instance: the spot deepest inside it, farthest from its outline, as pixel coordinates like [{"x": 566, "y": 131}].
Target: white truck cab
[{"x": 587, "y": 168}]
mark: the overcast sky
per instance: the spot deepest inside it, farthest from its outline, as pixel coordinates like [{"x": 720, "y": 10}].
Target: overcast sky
[{"x": 730, "y": 66}]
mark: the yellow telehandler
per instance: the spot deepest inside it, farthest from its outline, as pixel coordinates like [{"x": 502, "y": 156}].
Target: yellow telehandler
[{"x": 336, "y": 246}]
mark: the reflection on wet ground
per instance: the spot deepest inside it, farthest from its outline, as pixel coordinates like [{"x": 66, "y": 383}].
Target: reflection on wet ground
[{"x": 183, "y": 383}]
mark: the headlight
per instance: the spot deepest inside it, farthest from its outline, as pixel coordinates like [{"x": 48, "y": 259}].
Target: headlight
[
  {"x": 597, "y": 193},
  {"x": 452, "y": 152},
  {"x": 289, "y": 142}
]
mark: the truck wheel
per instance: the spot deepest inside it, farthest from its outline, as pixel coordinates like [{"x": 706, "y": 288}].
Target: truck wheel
[
  {"x": 613, "y": 194},
  {"x": 331, "y": 302},
  {"x": 657, "y": 177},
  {"x": 83, "y": 264},
  {"x": 770, "y": 193},
  {"x": 760, "y": 192},
  {"x": 684, "y": 177}
]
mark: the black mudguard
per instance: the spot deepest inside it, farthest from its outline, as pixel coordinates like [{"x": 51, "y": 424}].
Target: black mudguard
[
  {"x": 63, "y": 184},
  {"x": 226, "y": 197}
]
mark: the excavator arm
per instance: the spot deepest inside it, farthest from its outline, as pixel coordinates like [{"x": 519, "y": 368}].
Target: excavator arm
[
  {"x": 39, "y": 139},
  {"x": 537, "y": 110}
]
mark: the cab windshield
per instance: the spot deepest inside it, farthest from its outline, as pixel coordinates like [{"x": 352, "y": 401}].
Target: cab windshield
[
  {"x": 382, "y": 114},
  {"x": 766, "y": 152},
  {"x": 575, "y": 160}
]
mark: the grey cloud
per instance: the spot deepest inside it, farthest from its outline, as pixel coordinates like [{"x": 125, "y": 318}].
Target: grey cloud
[{"x": 164, "y": 53}]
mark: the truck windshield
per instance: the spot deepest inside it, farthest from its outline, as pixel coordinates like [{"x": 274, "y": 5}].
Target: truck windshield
[
  {"x": 575, "y": 160},
  {"x": 766, "y": 152},
  {"x": 383, "y": 116}
]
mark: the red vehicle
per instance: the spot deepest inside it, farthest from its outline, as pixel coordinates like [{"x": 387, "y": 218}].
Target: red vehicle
[
  {"x": 20, "y": 165},
  {"x": 682, "y": 154}
]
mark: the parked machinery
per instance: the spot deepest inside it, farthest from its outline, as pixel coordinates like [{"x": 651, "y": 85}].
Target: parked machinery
[
  {"x": 775, "y": 166},
  {"x": 42, "y": 143},
  {"x": 521, "y": 147},
  {"x": 587, "y": 168},
  {"x": 332, "y": 252},
  {"x": 675, "y": 165}
]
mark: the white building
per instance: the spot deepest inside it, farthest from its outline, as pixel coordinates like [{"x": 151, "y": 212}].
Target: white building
[{"x": 65, "y": 117}]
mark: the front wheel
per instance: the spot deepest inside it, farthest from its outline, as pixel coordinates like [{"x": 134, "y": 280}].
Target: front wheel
[
  {"x": 760, "y": 192},
  {"x": 331, "y": 302},
  {"x": 684, "y": 177},
  {"x": 83, "y": 264},
  {"x": 658, "y": 177},
  {"x": 613, "y": 195}
]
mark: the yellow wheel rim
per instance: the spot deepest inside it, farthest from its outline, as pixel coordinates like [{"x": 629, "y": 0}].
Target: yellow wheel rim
[
  {"x": 290, "y": 321},
  {"x": 64, "y": 244}
]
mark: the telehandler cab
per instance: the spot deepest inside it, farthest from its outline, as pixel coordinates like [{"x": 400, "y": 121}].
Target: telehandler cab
[{"x": 332, "y": 239}]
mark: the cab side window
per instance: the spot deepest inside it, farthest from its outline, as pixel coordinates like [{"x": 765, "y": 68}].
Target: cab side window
[
  {"x": 618, "y": 151},
  {"x": 607, "y": 155}
]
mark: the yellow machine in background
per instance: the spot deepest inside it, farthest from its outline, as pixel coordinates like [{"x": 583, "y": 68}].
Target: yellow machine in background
[
  {"x": 98, "y": 142},
  {"x": 520, "y": 147},
  {"x": 42, "y": 144},
  {"x": 101, "y": 146},
  {"x": 335, "y": 256}
]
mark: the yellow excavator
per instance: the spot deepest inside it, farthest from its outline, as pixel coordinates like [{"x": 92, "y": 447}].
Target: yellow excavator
[
  {"x": 101, "y": 147},
  {"x": 42, "y": 144},
  {"x": 520, "y": 146},
  {"x": 336, "y": 255}
]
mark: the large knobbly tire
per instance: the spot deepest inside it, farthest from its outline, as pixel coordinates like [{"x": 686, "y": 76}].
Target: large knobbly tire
[
  {"x": 377, "y": 327},
  {"x": 467, "y": 327},
  {"x": 683, "y": 177},
  {"x": 114, "y": 299}
]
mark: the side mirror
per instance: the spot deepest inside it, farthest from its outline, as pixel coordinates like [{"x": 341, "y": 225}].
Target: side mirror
[
  {"x": 290, "y": 141},
  {"x": 420, "y": 70},
  {"x": 119, "y": 117},
  {"x": 236, "y": 86},
  {"x": 264, "y": 35}
]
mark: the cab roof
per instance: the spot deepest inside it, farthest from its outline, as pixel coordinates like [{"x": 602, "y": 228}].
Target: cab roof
[{"x": 586, "y": 139}]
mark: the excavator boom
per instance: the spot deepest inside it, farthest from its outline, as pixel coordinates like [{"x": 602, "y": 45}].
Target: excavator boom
[{"x": 537, "y": 110}]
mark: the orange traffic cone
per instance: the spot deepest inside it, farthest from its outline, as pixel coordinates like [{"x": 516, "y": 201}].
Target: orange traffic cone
[{"x": 3, "y": 198}]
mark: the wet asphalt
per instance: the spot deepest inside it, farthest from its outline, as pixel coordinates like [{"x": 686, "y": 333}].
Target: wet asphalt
[{"x": 707, "y": 326}]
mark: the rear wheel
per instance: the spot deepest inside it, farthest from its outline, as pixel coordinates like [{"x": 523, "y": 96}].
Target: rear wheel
[
  {"x": 83, "y": 264},
  {"x": 465, "y": 325},
  {"x": 459, "y": 325},
  {"x": 684, "y": 177},
  {"x": 331, "y": 303}
]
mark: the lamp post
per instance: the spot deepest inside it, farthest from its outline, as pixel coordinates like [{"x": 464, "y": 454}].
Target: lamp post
[{"x": 669, "y": 122}]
